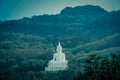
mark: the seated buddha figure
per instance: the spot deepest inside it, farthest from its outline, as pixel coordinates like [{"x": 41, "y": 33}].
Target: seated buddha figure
[
  {"x": 59, "y": 56},
  {"x": 58, "y": 62}
]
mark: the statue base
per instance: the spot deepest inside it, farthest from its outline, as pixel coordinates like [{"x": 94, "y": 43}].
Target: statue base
[{"x": 56, "y": 65}]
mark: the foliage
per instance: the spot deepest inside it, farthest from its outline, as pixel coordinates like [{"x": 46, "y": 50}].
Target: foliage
[{"x": 101, "y": 69}]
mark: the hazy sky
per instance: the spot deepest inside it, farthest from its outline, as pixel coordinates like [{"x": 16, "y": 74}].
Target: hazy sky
[{"x": 15, "y": 9}]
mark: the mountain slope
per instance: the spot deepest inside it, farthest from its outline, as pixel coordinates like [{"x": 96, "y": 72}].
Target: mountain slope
[
  {"x": 90, "y": 23},
  {"x": 108, "y": 42}
]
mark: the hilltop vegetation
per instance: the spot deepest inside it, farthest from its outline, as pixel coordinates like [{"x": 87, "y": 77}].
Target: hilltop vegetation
[{"x": 90, "y": 37}]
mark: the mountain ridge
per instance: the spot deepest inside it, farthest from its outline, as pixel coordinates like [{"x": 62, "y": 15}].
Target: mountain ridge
[
  {"x": 83, "y": 10},
  {"x": 77, "y": 29}
]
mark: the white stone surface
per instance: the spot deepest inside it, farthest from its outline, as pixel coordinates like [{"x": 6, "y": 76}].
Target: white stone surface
[{"x": 58, "y": 62}]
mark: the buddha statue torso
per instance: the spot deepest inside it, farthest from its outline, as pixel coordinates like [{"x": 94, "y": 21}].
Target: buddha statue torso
[{"x": 59, "y": 57}]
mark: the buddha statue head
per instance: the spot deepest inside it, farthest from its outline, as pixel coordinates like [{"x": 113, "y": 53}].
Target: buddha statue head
[{"x": 59, "y": 48}]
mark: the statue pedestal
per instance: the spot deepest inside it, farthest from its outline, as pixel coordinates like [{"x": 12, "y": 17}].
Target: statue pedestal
[{"x": 56, "y": 65}]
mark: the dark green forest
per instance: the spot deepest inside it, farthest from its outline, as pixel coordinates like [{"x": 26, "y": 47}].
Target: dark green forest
[{"x": 90, "y": 37}]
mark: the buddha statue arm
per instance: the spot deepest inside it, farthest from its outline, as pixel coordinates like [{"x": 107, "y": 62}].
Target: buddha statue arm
[
  {"x": 63, "y": 57},
  {"x": 54, "y": 57}
]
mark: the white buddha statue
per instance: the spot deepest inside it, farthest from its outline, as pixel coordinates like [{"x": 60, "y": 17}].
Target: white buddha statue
[
  {"x": 59, "y": 56},
  {"x": 58, "y": 62}
]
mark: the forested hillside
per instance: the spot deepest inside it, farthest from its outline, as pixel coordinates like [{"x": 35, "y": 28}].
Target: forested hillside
[{"x": 90, "y": 37}]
